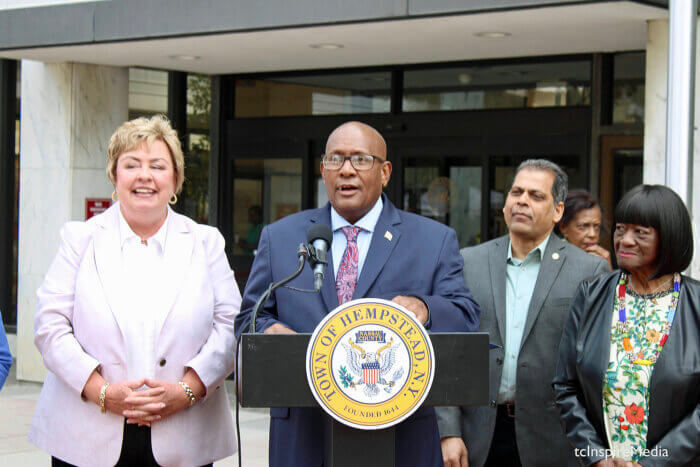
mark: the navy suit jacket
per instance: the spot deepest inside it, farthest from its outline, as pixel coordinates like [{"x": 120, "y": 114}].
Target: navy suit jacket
[{"x": 420, "y": 257}]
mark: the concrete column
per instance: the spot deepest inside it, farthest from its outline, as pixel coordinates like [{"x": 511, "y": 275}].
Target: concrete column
[
  {"x": 68, "y": 112},
  {"x": 655, "y": 95},
  {"x": 681, "y": 97},
  {"x": 655, "y": 122},
  {"x": 694, "y": 270}
]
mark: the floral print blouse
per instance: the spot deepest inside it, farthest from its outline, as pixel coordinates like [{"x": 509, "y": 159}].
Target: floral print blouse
[{"x": 626, "y": 384}]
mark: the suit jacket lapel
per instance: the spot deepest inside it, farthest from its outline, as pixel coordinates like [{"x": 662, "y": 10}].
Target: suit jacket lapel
[
  {"x": 497, "y": 266},
  {"x": 109, "y": 264},
  {"x": 328, "y": 291},
  {"x": 380, "y": 247},
  {"x": 177, "y": 256},
  {"x": 549, "y": 270}
]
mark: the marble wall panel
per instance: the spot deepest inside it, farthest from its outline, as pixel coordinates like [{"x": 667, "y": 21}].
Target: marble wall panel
[
  {"x": 99, "y": 108},
  {"x": 88, "y": 183},
  {"x": 30, "y": 365},
  {"x": 69, "y": 111},
  {"x": 46, "y": 108},
  {"x": 44, "y": 208}
]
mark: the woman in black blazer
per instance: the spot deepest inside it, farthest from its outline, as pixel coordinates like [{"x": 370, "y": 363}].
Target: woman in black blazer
[{"x": 628, "y": 378}]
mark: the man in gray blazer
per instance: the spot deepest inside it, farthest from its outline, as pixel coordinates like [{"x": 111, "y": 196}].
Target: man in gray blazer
[{"x": 524, "y": 283}]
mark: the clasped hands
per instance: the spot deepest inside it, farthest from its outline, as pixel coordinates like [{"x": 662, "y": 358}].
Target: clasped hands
[
  {"x": 413, "y": 304},
  {"x": 158, "y": 400}
]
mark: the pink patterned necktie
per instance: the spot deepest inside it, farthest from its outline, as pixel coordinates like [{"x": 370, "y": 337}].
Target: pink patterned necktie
[{"x": 347, "y": 273}]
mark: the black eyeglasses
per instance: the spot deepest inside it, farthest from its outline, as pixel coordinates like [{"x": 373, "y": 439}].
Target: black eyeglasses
[{"x": 358, "y": 161}]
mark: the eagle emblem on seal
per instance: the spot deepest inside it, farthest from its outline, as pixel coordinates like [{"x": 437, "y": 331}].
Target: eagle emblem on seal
[{"x": 370, "y": 368}]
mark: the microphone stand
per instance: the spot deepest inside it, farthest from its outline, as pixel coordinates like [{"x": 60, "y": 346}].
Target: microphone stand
[{"x": 303, "y": 255}]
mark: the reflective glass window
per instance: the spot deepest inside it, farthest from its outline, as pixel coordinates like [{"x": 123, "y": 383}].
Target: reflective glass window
[
  {"x": 497, "y": 86},
  {"x": 346, "y": 93},
  {"x": 273, "y": 186},
  {"x": 320, "y": 194},
  {"x": 628, "y": 88},
  {"x": 194, "y": 200},
  {"x": 447, "y": 190},
  {"x": 264, "y": 190}
]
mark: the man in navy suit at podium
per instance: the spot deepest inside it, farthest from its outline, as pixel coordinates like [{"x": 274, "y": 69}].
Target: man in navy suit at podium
[{"x": 378, "y": 251}]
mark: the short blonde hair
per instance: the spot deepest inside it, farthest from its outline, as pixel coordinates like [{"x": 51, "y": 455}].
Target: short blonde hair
[{"x": 133, "y": 133}]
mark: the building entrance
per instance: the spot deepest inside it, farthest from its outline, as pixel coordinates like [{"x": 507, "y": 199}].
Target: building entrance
[{"x": 454, "y": 167}]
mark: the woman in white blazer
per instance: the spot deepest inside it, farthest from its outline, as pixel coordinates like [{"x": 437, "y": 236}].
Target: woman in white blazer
[{"x": 135, "y": 322}]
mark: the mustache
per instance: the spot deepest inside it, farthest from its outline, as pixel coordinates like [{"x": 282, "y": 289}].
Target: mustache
[{"x": 514, "y": 212}]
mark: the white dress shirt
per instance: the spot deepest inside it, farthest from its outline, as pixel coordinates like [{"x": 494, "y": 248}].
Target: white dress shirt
[
  {"x": 367, "y": 223},
  {"x": 86, "y": 319},
  {"x": 144, "y": 277}
]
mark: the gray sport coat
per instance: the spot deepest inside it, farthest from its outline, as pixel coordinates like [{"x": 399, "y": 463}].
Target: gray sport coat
[{"x": 540, "y": 437}]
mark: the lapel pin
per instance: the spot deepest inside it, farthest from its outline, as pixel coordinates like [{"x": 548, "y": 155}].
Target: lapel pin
[
  {"x": 555, "y": 256},
  {"x": 388, "y": 235}
]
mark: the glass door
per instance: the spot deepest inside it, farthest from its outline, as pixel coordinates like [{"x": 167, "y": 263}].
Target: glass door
[
  {"x": 620, "y": 170},
  {"x": 267, "y": 185},
  {"x": 629, "y": 164},
  {"x": 448, "y": 190}
]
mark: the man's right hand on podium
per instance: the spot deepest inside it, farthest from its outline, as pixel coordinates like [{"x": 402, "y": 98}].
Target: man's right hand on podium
[
  {"x": 454, "y": 452},
  {"x": 278, "y": 328}
]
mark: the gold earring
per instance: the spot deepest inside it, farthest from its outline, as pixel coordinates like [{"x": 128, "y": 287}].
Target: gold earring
[
  {"x": 173, "y": 199},
  {"x": 115, "y": 196}
]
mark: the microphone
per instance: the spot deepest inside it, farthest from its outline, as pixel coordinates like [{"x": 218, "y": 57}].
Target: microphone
[{"x": 319, "y": 237}]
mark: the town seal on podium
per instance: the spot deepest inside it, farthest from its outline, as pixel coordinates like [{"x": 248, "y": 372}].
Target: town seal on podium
[{"x": 370, "y": 364}]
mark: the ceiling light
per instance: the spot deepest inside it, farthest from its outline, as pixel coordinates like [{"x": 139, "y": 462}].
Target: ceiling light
[
  {"x": 492, "y": 34},
  {"x": 464, "y": 78},
  {"x": 326, "y": 46},
  {"x": 184, "y": 57}
]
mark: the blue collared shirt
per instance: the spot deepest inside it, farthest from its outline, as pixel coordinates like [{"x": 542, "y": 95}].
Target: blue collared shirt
[
  {"x": 368, "y": 222},
  {"x": 521, "y": 278}
]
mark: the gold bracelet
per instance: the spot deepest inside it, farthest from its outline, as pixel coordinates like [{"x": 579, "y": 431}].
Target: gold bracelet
[
  {"x": 188, "y": 391},
  {"x": 103, "y": 396}
]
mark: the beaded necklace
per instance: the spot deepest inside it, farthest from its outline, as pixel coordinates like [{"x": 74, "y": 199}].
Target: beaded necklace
[{"x": 623, "y": 326}]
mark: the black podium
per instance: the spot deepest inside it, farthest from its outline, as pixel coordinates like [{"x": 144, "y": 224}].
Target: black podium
[{"x": 461, "y": 378}]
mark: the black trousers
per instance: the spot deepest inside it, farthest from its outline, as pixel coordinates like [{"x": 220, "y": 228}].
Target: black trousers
[
  {"x": 136, "y": 449},
  {"x": 504, "y": 448}
]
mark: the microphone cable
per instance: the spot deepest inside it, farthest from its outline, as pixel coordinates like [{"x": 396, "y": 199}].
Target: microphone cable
[
  {"x": 238, "y": 401},
  {"x": 300, "y": 290}
]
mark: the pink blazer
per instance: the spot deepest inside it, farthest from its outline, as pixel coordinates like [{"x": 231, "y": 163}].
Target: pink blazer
[{"x": 78, "y": 328}]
